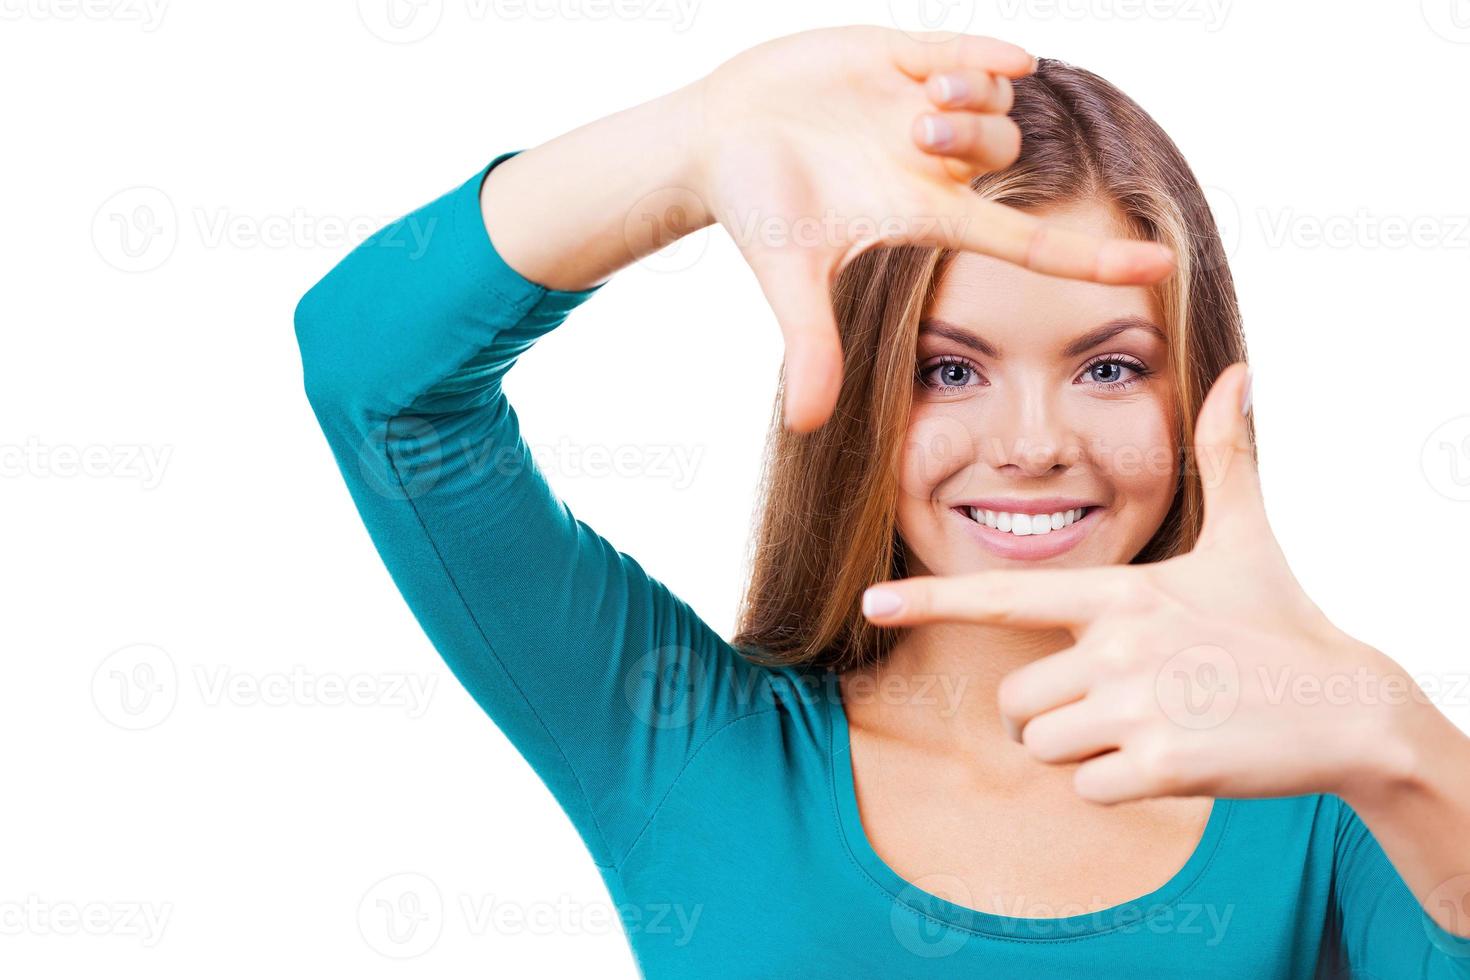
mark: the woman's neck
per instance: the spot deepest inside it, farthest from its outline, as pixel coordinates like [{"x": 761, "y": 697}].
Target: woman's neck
[{"x": 940, "y": 682}]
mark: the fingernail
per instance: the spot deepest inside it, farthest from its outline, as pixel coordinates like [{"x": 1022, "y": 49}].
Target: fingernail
[
  {"x": 1245, "y": 395},
  {"x": 881, "y": 602},
  {"x": 953, "y": 88},
  {"x": 938, "y": 133}
]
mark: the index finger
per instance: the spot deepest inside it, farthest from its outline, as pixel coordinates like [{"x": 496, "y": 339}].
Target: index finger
[
  {"x": 998, "y": 230},
  {"x": 1029, "y": 599}
]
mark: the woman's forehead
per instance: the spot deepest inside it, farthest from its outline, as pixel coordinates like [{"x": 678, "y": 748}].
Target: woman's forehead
[{"x": 999, "y": 300}]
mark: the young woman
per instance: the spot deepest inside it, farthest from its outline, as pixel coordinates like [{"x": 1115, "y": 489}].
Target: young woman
[{"x": 1000, "y": 390}]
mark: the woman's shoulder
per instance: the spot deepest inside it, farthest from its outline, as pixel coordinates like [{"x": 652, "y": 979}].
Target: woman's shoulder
[{"x": 766, "y": 682}]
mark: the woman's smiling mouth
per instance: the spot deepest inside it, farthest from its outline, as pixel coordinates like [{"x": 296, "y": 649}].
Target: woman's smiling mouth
[{"x": 1028, "y": 529}]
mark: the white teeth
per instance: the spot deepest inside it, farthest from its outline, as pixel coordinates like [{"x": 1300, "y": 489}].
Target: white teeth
[{"x": 1022, "y": 525}]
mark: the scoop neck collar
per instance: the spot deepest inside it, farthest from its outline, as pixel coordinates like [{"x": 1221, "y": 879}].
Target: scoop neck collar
[{"x": 910, "y": 894}]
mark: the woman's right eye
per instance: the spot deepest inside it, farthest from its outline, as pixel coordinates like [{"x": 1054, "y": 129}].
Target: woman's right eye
[{"x": 949, "y": 373}]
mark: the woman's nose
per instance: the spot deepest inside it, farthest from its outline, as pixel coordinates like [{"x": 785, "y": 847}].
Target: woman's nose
[{"x": 1027, "y": 434}]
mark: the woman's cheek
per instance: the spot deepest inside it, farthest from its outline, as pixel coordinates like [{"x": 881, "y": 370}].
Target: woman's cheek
[
  {"x": 936, "y": 445},
  {"x": 1139, "y": 457}
]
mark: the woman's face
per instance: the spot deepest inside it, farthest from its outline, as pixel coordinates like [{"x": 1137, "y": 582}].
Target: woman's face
[{"x": 1040, "y": 402}]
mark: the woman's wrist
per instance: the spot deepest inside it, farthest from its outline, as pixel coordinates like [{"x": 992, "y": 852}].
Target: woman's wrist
[
  {"x": 570, "y": 212},
  {"x": 1405, "y": 736}
]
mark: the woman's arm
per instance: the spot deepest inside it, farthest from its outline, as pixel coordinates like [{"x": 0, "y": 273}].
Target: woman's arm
[
  {"x": 1416, "y": 815},
  {"x": 605, "y": 681},
  {"x": 572, "y": 211}
]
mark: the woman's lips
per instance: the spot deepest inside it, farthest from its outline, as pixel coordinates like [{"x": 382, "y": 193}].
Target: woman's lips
[{"x": 1032, "y": 547}]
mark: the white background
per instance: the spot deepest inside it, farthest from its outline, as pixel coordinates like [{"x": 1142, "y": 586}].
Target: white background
[{"x": 177, "y": 174}]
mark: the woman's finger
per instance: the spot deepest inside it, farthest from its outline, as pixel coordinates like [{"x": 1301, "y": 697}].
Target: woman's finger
[
  {"x": 1073, "y": 732},
  {"x": 799, "y": 293},
  {"x": 1026, "y": 599},
  {"x": 994, "y": 229},
  {"x": 986, "y": 141},
  {"x": 975, "y": 91},
  {"x": 920, "y": 55},
  {"x": 1041, "y": 686},
  {"x": 1113, "y": 777}
]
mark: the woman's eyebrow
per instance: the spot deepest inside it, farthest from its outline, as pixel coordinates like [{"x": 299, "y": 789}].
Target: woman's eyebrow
[{"x": 1089, "y": 340}]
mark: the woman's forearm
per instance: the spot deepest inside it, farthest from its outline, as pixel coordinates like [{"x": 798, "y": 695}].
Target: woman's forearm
[{"x": 572, "y": 211}]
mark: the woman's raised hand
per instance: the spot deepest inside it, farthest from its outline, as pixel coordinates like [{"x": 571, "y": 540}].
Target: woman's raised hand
[{"x": 814, "y": 147}]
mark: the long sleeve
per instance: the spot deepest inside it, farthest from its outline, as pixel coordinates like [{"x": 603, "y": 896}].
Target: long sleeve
[
  {"x": 1383, "y": 930},
  {"x": 602, "y": 679}
]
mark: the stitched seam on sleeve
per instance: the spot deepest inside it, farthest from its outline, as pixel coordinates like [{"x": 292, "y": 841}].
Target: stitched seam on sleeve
[
  {"x": 490, "y": 650},
  {"x": 679, "y": 775}
]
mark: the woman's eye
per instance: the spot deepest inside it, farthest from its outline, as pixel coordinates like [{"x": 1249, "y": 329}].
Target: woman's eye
[
  {"x": 1110, "y": 373},
  {"x": 949, "y": 373},
  {"x": 1114, "y": 372}
]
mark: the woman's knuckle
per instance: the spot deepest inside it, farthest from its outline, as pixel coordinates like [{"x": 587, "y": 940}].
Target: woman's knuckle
[
  {"x": 1163, "y": 763},
  {"x": 1117, "y": 653},
  {"x": 1135, "y": 594}
]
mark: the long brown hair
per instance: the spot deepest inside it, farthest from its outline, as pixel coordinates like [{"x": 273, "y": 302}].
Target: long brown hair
[{"x": 827, "y": 526}]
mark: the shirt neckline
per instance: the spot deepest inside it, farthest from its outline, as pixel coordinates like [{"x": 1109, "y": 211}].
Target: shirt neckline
[{"x": 910, "y": 894}]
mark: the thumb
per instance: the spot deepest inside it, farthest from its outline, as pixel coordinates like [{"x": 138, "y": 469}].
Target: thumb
[
  {"x": 799, "y": 293},
  {"x": 1223, "y": 453}
]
